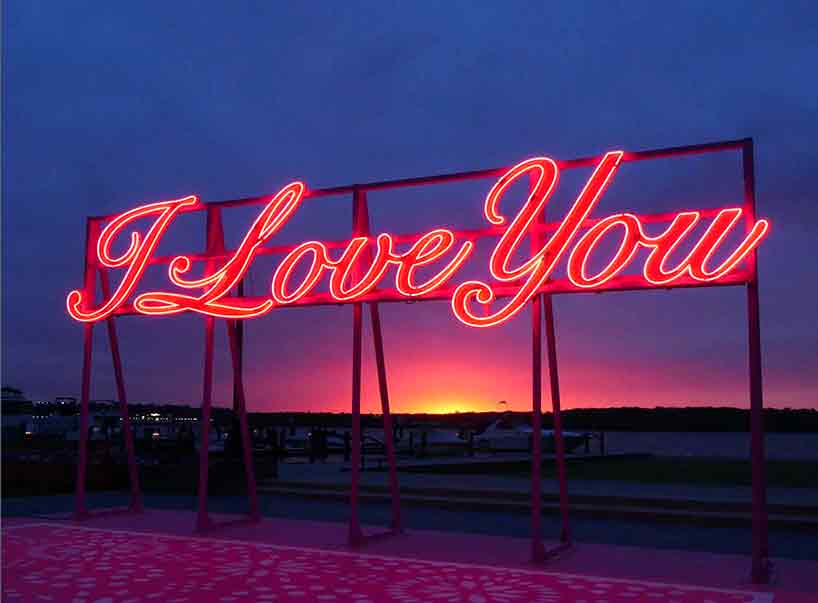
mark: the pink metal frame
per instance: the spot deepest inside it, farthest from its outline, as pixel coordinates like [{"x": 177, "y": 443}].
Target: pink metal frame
[{"x": 541, "y": 306}]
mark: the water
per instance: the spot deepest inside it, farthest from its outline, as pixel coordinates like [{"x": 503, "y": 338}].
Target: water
[{"x": 781, "y": 446}]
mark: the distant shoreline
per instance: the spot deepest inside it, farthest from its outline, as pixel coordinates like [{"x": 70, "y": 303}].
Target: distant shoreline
[
  {"x": 659, "y": 419},
  {"x": 690, "y": 419}
]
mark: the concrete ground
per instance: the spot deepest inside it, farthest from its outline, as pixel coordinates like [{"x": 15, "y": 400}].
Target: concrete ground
[
  {"x": 617, "y": 548},
  {"x": 734, "y": 540},
  {"x": 474, "y": 554}
]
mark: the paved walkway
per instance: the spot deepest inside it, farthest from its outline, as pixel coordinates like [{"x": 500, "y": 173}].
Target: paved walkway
[
  {"x": 691, "y": 536},
  {"x": 153, "y": 557}
]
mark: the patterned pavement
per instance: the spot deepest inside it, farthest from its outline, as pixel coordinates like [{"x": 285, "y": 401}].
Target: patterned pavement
[{"x": 58, "y": 562}]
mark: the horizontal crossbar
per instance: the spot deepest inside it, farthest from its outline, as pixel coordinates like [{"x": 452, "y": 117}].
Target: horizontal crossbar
[{"x": 564, "y": 164}]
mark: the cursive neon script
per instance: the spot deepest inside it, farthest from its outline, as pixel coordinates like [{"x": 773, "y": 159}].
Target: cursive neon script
[{"x": 364, "y": 262}]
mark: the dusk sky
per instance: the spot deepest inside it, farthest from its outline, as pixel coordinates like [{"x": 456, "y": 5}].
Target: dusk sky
[{"x": 110, "y": 105}]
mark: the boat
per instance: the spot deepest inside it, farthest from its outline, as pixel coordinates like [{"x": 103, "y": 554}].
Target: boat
[{"x": 513, "y": 433}]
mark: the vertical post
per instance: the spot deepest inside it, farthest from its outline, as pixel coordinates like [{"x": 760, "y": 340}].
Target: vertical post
[
  {"x": 388, "y": 433},
  {"x": 127, "y": 434},
  {"x": 361, "y": 224},
  {"x": 355, "y": 536},
  {"x": 238, "y": 369},
  {"x": 203, "y": 518},
  {"x": 80, "y": 508},
  {"x": 760, "y": 548},
  {"x": 241, "y": 405},
  {"x": 559, "y": 445},
  {"x": 89, "y": 288},
  {"x": 554, "y": 381},
  {"x": 235, "y": 333},
  {"x": 215, "y": 243},
  {"x": 537, "y": 548}
]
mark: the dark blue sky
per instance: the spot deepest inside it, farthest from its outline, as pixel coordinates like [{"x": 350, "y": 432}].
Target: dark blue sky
[{"x": 109, "y": 105}]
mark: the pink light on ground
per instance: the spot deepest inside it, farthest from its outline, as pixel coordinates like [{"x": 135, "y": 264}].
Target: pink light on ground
[{"x": 62, "y": 562}]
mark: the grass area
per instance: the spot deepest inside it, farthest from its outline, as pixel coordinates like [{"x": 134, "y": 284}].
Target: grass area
[{"x": 647, "y": 469}]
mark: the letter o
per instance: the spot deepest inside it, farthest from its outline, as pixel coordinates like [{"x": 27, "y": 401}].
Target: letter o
[
  {"x": 282, "y": 274},
  {"x": 579, "y": 255}
]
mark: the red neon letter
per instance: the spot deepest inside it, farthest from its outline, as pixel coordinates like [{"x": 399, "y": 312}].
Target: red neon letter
[
  {"x": 663, "y": 245},
  {"x": 282, "y": 274},
  {"x": 271, "y": 219},
  {"x": 715, "y": 234},
  {"x": 695, "y": 264},
  {"x": 583, "y": 249},
  {"x": 427, "y": 249},
  {"x": 341, "y": 269},
  {"x": 135, "y": 257},
  {"x": 542, "y": 264}
]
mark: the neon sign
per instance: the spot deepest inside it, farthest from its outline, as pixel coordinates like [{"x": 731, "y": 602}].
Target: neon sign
[{"x": 361, "y": 268}]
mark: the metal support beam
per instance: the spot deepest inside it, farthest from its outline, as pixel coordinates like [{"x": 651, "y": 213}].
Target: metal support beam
[
  {"x": 203, "y": 521},
  {"x": 214, "y": 244},
  {"x": 760, "y": 570},
  {"x": 127, "y": 433},
  {"x": 537, "y": 548},
  {"x": 545, "y": 301},
  {"x": 388, "y": 433},
  {"x": 80, "y": 507},
  {"x": 361, "y": 223},
  {"x": 238, "y": 364},
  {"x": 89, "y": 288},
  {"x": 241, "y": 404},
  {"x": 564, "y": 164},
  {"x": 355, "y": 536},
  {"x": 559, "y": 444}
]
